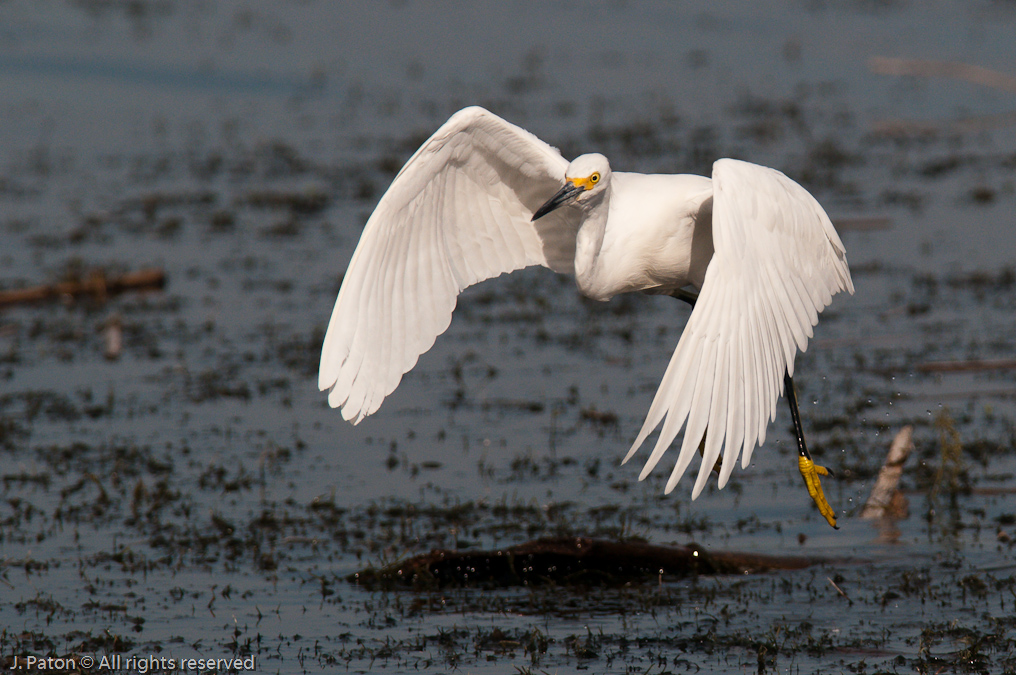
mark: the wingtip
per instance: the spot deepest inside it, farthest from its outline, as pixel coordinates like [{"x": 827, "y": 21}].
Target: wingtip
[
  {"x": 672, "y": 482},
  {"x": 334, "y": 400},
  {"x": 354, "y": 417},
  {"x": 325, "y": 382},
  {"x": 631, "y": 452},
  {"x": 700, "y": 484}
]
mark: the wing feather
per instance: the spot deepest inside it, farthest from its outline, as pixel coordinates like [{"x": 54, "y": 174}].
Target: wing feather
[
  {"x": 716, "y": 421},
  {"x": 736, "y": 389},
  {"x": 777, "y": 262},
  {"x": 457, "y": 213}
]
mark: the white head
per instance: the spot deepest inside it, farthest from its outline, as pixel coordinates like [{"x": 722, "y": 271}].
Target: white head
[{"x": 586, "y": 180}]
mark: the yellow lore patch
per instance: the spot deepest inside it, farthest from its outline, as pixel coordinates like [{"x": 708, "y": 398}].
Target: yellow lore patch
[{"x": 585, "y": 183}]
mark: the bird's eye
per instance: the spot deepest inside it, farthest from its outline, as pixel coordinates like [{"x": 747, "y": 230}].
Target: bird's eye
[{"x": 595, "y": 178}]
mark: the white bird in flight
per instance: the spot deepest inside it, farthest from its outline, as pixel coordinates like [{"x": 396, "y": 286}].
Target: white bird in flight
[{"x": 483, "y": 197}]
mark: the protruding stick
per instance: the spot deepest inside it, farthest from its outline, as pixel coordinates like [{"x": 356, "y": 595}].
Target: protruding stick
[
  {"x": 95, "y": 284},
  {"x": 884, "y": 499}
]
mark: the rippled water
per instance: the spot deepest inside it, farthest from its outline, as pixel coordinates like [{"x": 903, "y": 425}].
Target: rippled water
[{"x": 196, "y": 496}]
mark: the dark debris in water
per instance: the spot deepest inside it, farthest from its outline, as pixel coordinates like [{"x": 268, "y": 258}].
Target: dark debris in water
[{"x": 567, "y": 561}]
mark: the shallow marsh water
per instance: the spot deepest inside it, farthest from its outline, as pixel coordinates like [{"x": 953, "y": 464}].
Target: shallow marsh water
[{"x": 196, "y": 496}]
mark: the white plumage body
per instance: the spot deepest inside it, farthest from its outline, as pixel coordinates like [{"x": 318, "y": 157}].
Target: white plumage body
[
  {"x": 658, "y": 236},
  {"x": 761, "y": 249}
]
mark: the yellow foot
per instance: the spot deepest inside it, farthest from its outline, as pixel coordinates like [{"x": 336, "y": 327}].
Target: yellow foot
[{"x": 811, "y": 472}]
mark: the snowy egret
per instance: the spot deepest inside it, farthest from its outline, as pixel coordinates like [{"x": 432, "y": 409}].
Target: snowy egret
[{"x": 483, "y": 197}]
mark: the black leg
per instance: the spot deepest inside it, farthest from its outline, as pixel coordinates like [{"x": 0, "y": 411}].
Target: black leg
[
  {"x": 795, "y": 414},
  {"x": 809, "y": 470},
  {"x": 688, "y": 296}
]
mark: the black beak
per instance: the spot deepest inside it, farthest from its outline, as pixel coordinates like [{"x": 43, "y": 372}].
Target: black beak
[{"x": 565, "y": 195}]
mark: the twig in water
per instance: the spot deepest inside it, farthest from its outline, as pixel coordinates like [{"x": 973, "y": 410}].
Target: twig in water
[
  {"x": 838, "y": 589},
  {"x": 885, "y": 499},
  {"x": 95, "y": 284},
  {"x": 973, "y": 365},
  {"x": 985, "y": 77},
  {"x": 966, "y": 72}
]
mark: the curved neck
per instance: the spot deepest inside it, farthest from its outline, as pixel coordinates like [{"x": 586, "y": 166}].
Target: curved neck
[{"x": 589, "y": 240}]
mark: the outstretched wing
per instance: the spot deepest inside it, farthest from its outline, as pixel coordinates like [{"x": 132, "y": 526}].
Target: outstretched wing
[
  {"x": 457, "y": 213},
  {"x": 777, "y": 263}
]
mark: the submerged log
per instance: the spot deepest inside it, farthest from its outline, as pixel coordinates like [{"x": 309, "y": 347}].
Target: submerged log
[
  {"x": 96, "y": 284},
  {"x": 567, "y": 561}
]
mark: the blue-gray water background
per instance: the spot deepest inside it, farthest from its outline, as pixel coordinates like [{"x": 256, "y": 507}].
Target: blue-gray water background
[{"x": 196, "y": 496}]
